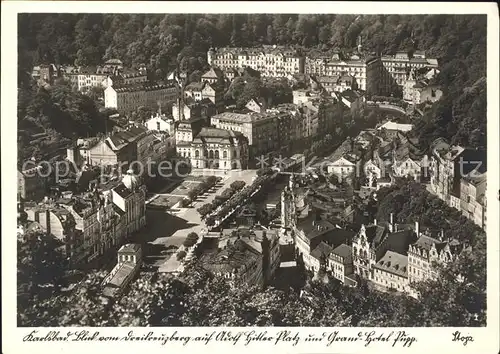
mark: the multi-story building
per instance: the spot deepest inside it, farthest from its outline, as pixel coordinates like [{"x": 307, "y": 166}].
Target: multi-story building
[
  {"x": 310, "y": 119},
  {"x": 373, "y": 242},
  {"x": 398, "y": 66},
  {"x": 260, "y": 129},
  {"x": 213, "y": 76},
  {"x": 425, "y": 253},
  {"x": 189, "y": 108},
  {"x": 84, "y": 78},
  {"x": 58, "y": 223},
  {"x": 449, "y": 164},
  {"x": 127, "y": 98},
  {"x": 94, "y": 216},
  {"x": 200, "y": 91},
  {"x": 161, "y": 123},
  {"x": 219, "y": 149},
  {"x": 473, "y": 198},
  {"x": 417, "y": 89},
  {"x": 45, "y": 74},
  {"x": 352, "y": 99},
  {"x": 32, "y": 181},
  {"x": 128, "y": 265},
  {"x": 130, "y": 198},
  {"x": 270, "y": 61},
  {"x": 340, "y": 264},
  {"x": 251, "y": 257},
  {"x": 119, "y": 149},
  {"x": 391, "y": 272},
  {"x": 316, "y": 65},
  {"x": 368, "y": 72},
  {"x": 408, "y": 167}
]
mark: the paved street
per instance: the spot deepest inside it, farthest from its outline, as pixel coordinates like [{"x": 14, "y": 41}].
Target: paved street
[{"x": 168, "y": 229}]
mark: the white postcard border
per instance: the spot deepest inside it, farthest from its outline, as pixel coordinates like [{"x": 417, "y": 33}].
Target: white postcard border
[{"x": 428, "y": 339}]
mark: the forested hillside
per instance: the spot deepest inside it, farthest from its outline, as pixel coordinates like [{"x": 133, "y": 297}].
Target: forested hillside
[{"x": 164, "y": 41}]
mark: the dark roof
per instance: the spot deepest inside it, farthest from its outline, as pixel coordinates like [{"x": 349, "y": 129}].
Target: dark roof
[
  {"x": 393, "y": 262},
  {"x": 311, "y": 231},
  {"x": 130, "y": 247},
  {"x": 197, "y": 86},
  {"x": 145, "y": 86},
  {"x": 351, "y": 95},
  {"x": 234, "y": 256},
  {"x": 343, "y": 251},
  {"x": 215, "y": 134},
  {"x": 399, "y": 241},
  {"x": 122, "y": 138},
  {"x": 122, "y": 191},
  {"x": 322, "y": 249},
  {"x": 426, "y": 242},
  {"x": 375, "y": 234}
]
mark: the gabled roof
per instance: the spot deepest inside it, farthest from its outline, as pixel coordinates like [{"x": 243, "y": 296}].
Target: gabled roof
[
  {"x": 426, "y": 242},
  {"x": 342, "y": 161},
  {"x": 343, "y": 251},
  {"x": 130, "y": 247},
  {"x": 351, "y": 95},
  {"x": 195, "y": 86},
  {"x": 216, "y": 135},
  {"x": 375, "y": 234},
  {"x": 213, "y": 73},
  {"x": 393, "y": 262},
  {"x": 122, "y": 191},
  {"x": 321, "y": 250}
]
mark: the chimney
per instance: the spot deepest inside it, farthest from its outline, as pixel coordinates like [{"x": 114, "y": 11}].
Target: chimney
[
  {"x": 391, "y": 221},
  {"x": 375, "y": 222},
  {"x": 417, "y": 230}
]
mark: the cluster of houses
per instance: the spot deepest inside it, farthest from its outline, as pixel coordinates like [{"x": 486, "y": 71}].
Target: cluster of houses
[
  {"x": 389, "y": 255},
  {"x": 455, "y": 174},
  {"x": 90, "y": 223},
  {"x": 95, "y": 217},
  {"x": 377, "y": 75}
]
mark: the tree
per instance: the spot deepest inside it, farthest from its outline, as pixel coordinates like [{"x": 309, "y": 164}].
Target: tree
[
  {"x": 211, "y": 181},
  {"x": 237, "y": 185},
  {"x": 181, "y": 255},
  {"x": 227, "y": 193},
  {"x": 191, "y": 239},
  {"x": 205, "y": 209}
]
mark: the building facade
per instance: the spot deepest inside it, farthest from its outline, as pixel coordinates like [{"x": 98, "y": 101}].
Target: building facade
[
  {"x": 473, "y": 199},
  {"x": 399, "y": 65},
  {"x": 250, "y": 259},
  {"x": 219, "y": 149},
  {"x": 367, "y": 72},
  {"x": 261, "y": 130},
  {"x": 32, "y": 181},
  {"x": 128, "y": 98},
  {"x": 270, "y": 61}
]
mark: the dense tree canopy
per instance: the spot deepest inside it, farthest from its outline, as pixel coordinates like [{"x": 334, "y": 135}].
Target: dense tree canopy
[{"x": 161, "y": 40}]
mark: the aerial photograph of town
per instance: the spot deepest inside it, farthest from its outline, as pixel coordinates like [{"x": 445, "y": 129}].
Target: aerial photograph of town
[{"x": 292, "y": 170}]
